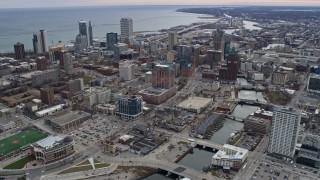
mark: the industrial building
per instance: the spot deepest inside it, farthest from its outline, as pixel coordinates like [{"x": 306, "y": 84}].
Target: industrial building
[
  {"x": 195, "y": 104},
  {"x": 129, "y": 107},
  {"x": 208, "y": 124},
  {"x": 69, "y": 121},
  {"x": 230, "y": 157},
  {"x": 53, "y": 148}
]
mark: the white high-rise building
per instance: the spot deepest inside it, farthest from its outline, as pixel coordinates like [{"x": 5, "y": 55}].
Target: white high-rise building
[
  {"x": 126, "y": 26},
  {"x": 284, "y": 131},
  {"x": 126, "y": 70},
  {"x": 172, "y": 40}
]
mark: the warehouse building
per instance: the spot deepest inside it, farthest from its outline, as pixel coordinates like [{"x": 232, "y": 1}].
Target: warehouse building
[{"x": 69, "y": 121}]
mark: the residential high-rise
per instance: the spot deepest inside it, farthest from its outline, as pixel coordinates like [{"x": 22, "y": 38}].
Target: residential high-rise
[
  {"x": 19, "y": 51},
  {"x": 83, "y": 28},
  {"x": 81, "y": 43},
  {"x": 44, "y": 41},
  {"x": 284, "y": 131},
  {"x": 67, "y": 62},
  {"x": 126, "y": 26},
  {"x": 55, "y": 53},
  {"x": 112, "y": 39},
  {"x": 126, "y": 70},
  {"x": 129, "y": 107},
  {"x": 172, "y": 40},
  {"x": 42, "y": 63},
  {"x": 163, "y": 76},
  {"x": 47, "y": 96},
  {"x": 40, "y": 42},
  {"x": 90, "y": 34},
  {"x": 36, "y": 41}
]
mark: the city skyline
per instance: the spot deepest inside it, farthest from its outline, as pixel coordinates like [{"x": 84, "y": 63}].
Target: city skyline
[{"x": 61, "y": 3}]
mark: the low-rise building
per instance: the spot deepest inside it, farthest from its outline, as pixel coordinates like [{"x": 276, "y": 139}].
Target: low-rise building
[
  {"x": 69, "y": 121},
  {"x": 195, "y": 104},
  {"x": 256, "y": 125},
  {"x": 108, "y": 109},
  {"x": 53, "y": 148},
  {"x": 230, "y": 157},
  {"x": 50, "y": 111},
  {"x": 309, "y": 153}
]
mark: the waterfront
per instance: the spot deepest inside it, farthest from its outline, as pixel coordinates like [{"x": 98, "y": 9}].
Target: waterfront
[
  {"x": 223, "y": 134},
  {"x": 61, "y": 24},
  {"x": 198, "y": 158},
  {"x": 251, "y": 95}
]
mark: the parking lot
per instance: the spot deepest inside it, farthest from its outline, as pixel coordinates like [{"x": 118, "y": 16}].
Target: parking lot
[
  {"x": 249, "y": 142},
  {"x": 97, "y": 129},
  {"x": 266, "y": 171}
]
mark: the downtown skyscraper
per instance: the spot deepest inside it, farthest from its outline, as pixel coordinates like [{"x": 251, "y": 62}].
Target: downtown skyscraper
[
  {"x": 40, "y": 42},
  {"x": 85, "y": 30}
]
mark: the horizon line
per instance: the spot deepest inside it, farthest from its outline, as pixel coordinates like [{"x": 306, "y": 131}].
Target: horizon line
[{"x": 119, "y": 5}]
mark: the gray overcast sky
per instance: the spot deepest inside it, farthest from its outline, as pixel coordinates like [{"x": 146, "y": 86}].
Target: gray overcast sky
[{"x": 59, "y": 3}]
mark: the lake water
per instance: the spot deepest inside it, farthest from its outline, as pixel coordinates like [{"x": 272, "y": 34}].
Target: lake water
[{"x": 61, "y": 24}]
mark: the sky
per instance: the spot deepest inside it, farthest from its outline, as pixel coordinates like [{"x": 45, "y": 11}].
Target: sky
[{"x": 62, "y": 3}]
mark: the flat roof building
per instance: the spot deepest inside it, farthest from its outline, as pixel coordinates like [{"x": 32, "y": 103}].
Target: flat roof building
[
  {"x": 69, "y": 121},
  {"x": 195, "y": 104},
  {"x": 230, "y": 157},
  {"x": 284, "y": 132},
  {"x": 256, "y": 125}
]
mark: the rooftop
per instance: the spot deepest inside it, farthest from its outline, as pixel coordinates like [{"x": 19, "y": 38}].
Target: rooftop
[
  {"x": 49, "y": 142},
  {"x": 195, "y": 102},
  {"x": 230, "y": 152},
  {"x": 257, "y": 119},
  {"x": 69, "y": 117}
]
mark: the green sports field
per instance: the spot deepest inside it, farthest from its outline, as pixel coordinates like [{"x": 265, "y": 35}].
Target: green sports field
[{"x": 19, "y": 140}]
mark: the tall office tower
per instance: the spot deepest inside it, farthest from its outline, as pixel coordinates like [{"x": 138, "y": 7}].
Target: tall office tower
[
  {"x": 42, "y": 63},
  {"x": 172, "y": 40},
  {"x": 163, "y": 76},
  {"x": 218, "y": 39},
  {"x": 19, "y": 51},
  {"x": 81, "y": 43},
  {"x": 44, "y": 41},
  {"x": 112, "y": 39},
  {"x": 129, "y": 107},
  {"x": 47, "y": 96},
  {"x": 284, "y": 131},
  {"x": 184, "y": 55},
  {"x": 90, "y": 34},
  {"x": 126, "y": 26},
  {"x": 229, "y": 70},
  {"x": 83, "y": 28},
  {"x": 67, "y": 62},
  {"x": 36, "y": 41}
]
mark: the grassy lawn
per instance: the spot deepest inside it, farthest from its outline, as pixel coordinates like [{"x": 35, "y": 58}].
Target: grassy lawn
[
  {"x": 19, "y": 140},
  {"x": 76, "y": 169},
  {"x": 235, "y": 140},
  {"x": 20, "y": 163},
  {"x": 214, "y": 173},
  {"x": 86, "y": 79},
  {"x": 102, "y": 165},
  {"x": 86, "y": 162},
  {"x": 183, "y": 142}
]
